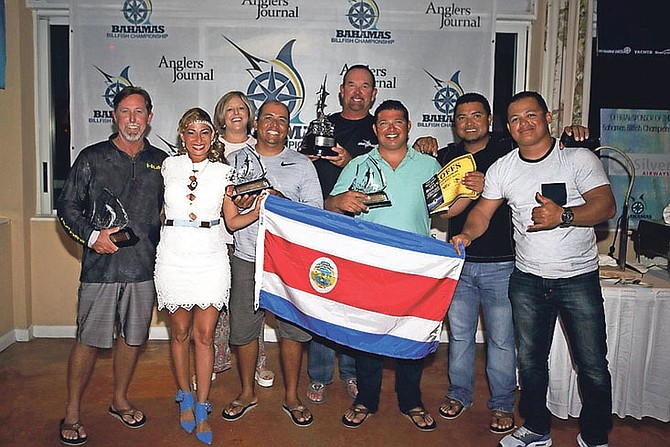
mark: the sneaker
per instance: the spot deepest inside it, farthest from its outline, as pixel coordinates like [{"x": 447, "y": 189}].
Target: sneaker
[
  {"x": 582, "y": 443},
  {"x": 525, "y": 438}
]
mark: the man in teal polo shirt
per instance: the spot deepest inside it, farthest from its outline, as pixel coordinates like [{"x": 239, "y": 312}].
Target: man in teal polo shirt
[{"x": 404, "y": 170}]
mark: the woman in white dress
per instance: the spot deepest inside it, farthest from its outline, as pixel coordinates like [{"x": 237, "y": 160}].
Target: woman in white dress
[
  {"x": 234, "y": 119},
  {"x": 192, "y": 273}
]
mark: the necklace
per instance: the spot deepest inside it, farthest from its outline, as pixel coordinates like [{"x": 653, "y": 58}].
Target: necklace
[{"x": 193, "y": 184}]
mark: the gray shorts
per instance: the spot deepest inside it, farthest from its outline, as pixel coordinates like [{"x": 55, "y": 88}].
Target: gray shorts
[
  {"x": 245, "y": 324},
  {"x": 109, "y": 308}
]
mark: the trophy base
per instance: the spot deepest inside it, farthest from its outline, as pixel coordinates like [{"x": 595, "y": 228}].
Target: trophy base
[
  {"x": 319, "y": 146},
  {"x": 251, "y": 188},
  {"x": 125, "y": 237},
  {"x": 377, "y": 200}
]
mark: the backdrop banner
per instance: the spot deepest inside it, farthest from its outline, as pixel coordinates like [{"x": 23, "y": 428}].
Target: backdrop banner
[
  {"x": 423, "y": 53},
  {"x": 645, "y": 137}
]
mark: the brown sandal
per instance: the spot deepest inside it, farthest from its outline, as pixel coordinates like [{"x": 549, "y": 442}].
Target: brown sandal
[
  {"x": 79, "y": 440},
  {"x": 498, "y": 417}
]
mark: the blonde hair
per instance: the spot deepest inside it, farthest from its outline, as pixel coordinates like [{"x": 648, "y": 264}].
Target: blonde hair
[
  {"x": 198, "y": 115},
  {"x": 220, "y": 111}
]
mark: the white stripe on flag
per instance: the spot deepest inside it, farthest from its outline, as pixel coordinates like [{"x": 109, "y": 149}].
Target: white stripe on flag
[
  {"x": 407, "y": 327},
  {"x": 364, "y": 252}
]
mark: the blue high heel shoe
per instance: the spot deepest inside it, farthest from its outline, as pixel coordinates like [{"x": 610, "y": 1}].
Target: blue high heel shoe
[
  {"x": 201, "y": 412},
  {"x": 185, "y": 401}
]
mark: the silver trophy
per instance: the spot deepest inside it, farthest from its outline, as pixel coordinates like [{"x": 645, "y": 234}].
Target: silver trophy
[
  {"x": 249, "y": 176},
  {"x": 369, "y": 180},
  {"x": 108, "y": 212},
  {"x": 320, "y": 137}
]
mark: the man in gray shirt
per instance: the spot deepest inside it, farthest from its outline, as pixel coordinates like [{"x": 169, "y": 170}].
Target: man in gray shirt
[{"x": 292, "y": 175}]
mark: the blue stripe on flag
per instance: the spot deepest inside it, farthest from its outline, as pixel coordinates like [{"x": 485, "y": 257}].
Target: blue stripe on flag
[
  {"x": 367, "y": 231},
  {"x": 382, "y": 344}
]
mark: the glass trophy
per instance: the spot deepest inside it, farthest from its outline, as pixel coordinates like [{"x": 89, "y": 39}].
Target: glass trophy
[
  {"x": 249, "y": 176},
  {"x": 369, "y": 180},
  {"x": 320, "y": 137},
  {"x": 108, "y": 212}
]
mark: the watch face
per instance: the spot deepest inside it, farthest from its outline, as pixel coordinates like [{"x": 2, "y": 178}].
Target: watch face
[{"x": 567, "y": 216}]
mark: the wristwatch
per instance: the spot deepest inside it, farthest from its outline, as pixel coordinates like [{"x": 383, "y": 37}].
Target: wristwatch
[{"x": 567, "y": 217}]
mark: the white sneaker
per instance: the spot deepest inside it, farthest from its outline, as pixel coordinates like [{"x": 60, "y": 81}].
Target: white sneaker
[
  {"x": 582, "y": 443},
  {"x": 523, "y": 437}
]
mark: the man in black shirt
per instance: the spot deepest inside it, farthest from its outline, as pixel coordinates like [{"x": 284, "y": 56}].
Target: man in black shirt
[{"x": 116, "y": 291}]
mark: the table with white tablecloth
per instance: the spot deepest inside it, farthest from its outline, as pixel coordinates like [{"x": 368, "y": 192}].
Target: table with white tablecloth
[{"x": 638, "y": 342}]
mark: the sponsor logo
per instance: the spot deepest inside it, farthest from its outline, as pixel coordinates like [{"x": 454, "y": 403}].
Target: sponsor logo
[
  {"x": 454, "y": 16},
  {"x": 323, "y": 275},
  {"x": 384, "y": 78},
  {"x": 638, "y": 207},
  {"x": 277, "y": 80},
  {"x": 137, "y": 14},
  {"x": 273, "y": 9},
  {"x": 363, "y": 17},
  {"x": 444, "y": 101},
  {"x": 113, "y": 85},
  {"x": 285, "y": 163},
  {"x": 186, "y": 69}
]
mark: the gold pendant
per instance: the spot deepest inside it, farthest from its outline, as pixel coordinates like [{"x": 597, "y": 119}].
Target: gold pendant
[
  {"x": 190, "y": 197},
  {"x": 192, "y": 216}
]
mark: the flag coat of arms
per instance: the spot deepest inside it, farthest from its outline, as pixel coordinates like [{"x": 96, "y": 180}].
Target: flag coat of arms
[{"x": 360, "y": 284}]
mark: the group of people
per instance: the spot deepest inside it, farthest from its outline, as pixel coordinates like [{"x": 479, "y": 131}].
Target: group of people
[{"x": 531, "y": 256}]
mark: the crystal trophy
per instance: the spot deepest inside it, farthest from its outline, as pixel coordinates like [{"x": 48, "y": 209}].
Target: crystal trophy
[
  {"x": 320, "y": 137},
  {"x": 249, "y": 176},
  {"x": 369, "y": 180},
  {"x": 108, "y": 212}
]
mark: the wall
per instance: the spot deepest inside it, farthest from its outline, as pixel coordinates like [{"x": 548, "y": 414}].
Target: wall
[
  {"x": 6, "y": 304},
  {"x": 17, "y": 177}
]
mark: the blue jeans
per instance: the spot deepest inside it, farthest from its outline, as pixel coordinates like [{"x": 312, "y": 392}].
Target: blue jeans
[
  {"x": 485, "y": 285},
  {"x": 321, "y": 361},
  {"x": 578, "y": 300}
]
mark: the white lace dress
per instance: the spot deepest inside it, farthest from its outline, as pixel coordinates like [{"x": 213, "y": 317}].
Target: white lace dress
[{"x": 192, "y": 266}]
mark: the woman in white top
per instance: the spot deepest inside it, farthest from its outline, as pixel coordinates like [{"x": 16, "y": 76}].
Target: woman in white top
[
  {"x": 192, "y": 274},
  {"x": 234, "y": 119}
]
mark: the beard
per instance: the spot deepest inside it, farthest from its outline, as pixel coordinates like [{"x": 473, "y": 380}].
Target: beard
[{"x": 132, "y": 135}]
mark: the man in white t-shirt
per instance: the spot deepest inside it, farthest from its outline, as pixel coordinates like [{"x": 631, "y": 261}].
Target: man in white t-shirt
[{"x": 556, "y": 198}]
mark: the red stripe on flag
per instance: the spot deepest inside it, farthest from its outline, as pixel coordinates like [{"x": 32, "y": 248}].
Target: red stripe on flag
[{"x": 361, "y": 285}]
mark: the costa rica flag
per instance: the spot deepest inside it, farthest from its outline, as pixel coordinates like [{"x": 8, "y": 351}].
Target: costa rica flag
[{"x": 368, "y": 286}]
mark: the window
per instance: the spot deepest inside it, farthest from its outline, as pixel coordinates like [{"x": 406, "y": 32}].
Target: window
[{"x": 53, "y": 117}]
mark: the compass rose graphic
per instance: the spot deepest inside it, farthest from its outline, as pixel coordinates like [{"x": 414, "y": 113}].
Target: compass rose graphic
[
  {"x": 137, "y": 11},
  {"x": 279, "y": 82},
  {"x": 447, "y": 93},
  {"x": 363, "y": 14},
  {"x": 115, "y": 84}
]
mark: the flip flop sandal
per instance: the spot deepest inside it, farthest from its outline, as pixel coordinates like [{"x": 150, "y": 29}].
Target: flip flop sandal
[
  {"x": 452, "y": 404},
  {"x": 498, "y": 417},
  {"x": 299, "y": 409},
  {"x": 357, "y": 409},
  {"x": 237, "y": 404},
  {"x": 79, "y": 440},
  {"x": 316, "y": 393},
  {"x": 130, "y": 413},
  {"x": 351, "y": 386},
  {"x": 423, "y": 414}
]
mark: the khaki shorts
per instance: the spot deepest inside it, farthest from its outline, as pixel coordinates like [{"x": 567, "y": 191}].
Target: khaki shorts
[
  {"x": 245, "y": 323},
  {"x": 106, "y": 309}
]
